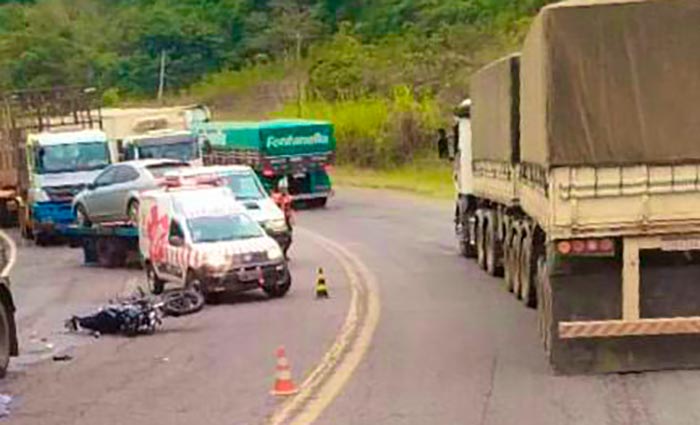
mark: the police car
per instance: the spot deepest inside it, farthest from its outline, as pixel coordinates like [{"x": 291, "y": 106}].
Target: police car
[{"x": 194, "y": 233}]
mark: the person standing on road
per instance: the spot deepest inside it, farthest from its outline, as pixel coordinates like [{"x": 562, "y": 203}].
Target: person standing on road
[
  {"x": 443, "y": 144},
  {"x": 281, "y": 197}
]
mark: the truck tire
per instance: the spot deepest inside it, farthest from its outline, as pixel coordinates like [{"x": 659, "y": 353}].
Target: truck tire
[
  {"x": 41, "y": 238},
  {"x": 526, "y": 272},
  {"x": 544, "y": 304},
  {"x": 5, "y": 339},
  {"x": 494, "y": 267},
  {"x": 155, "y": 284},
  {"x": 508, "y": 263},
  {"x": 480, "y": 251},
  {"x": 462, "y": 231},
  {"x": 515, "y": 262}
]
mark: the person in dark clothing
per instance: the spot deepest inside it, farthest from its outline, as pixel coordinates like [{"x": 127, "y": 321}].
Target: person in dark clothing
[{"x": 443, "y": 144}]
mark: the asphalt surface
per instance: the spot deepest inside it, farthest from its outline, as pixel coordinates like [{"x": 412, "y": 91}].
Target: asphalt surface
[
  {"x": 451, "y": 346},
  {"x": 214, "y": 367}
]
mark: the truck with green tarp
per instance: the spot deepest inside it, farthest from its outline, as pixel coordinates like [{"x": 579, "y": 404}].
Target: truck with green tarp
[{"x": 299, "y": 150}]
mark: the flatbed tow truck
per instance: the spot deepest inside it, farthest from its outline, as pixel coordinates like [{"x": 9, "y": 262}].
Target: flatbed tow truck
[{"x": 107, "y": 245}]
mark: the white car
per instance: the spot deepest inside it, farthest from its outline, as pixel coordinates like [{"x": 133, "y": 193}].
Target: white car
[{"x": 249, "y": 191}]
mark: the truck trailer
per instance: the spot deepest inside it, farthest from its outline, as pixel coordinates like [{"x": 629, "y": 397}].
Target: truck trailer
[
  {"x": 299, "y": 151},
  {"x": 581, "y": 182}
]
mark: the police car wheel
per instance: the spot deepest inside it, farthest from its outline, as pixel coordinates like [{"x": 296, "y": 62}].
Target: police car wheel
[{"x": 279, "y": 291}]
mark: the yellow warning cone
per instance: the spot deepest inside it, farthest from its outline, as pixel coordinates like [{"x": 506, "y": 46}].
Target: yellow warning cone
[{"x": 321, "y": 288}]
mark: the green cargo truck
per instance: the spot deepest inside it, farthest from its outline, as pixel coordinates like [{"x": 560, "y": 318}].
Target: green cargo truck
[{"x": 299, "y": 150}]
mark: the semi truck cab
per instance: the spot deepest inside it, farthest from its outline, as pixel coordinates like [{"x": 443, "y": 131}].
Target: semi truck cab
[
  {"x": 169, "y": 144},
  {"x": 59, "y": 165}
]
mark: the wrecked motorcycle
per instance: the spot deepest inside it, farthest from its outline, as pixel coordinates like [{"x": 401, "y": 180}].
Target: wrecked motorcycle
[{"x": 138, "y": 314}]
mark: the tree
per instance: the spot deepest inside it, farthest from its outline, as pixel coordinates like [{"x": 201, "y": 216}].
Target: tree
[{"x": 292, "y": 24}]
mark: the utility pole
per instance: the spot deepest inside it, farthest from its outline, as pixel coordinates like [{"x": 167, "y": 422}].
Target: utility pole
[
  {"x": 161, "y": 78},
  {"x": 300, "y": 100}
]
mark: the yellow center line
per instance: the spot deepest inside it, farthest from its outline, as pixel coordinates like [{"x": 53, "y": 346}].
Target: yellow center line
[{"x": 327, "y": 380}]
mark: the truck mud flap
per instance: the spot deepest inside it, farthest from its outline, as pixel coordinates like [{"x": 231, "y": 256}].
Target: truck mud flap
[{"x": 602, "y": 323}]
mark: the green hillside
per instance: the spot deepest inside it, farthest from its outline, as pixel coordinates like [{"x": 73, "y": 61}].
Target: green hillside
[{"x": 386, "y": 71}]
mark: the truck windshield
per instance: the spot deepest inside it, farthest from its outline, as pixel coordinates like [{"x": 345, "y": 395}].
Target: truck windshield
[
  {"x": 246, "y": 187},
  {"x": 182, "y": 151},
  {"x": 223, "y": 228},
  {"x": 72, "y": 157}
]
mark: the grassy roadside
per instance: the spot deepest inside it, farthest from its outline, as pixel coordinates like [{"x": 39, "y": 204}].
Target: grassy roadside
[{"x": 431, "y": 179}]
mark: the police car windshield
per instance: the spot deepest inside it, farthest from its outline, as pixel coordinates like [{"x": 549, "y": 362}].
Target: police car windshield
[
  {"x": 223, "y": 228},
  {"x": 246, "y": 187}
]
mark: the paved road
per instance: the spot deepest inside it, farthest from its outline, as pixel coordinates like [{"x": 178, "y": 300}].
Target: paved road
[
  {"x": 215, "y": 367},
  {"x": 451, "y": 346}
]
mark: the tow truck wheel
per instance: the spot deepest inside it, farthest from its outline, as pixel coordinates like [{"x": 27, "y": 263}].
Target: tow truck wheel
[
  {"x": 278, "y": 291},
  {"x": 81, "y": 217},
  {"x": 155, "y": 285},
  {"x": 5, "y": 339}
]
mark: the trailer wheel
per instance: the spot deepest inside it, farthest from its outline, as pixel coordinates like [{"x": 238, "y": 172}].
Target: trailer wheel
[
  {"x": 480, "y": 251},
  {"x": 544, "y": 304},
  {"x": 516, "y": 245},
  {"x": 508, "y": 263},
  {"x": 491, "y": 248},
  {"x": 527, "y": 285}
]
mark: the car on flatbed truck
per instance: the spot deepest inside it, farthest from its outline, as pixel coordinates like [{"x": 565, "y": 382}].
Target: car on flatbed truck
[
  {"x": 113, "y": 196},
  {"x": 202, "y": 237},
  {"x": 581, "y": 182}
]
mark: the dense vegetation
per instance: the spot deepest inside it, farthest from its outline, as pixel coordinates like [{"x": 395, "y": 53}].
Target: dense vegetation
[{"x": 385, "y": 70}]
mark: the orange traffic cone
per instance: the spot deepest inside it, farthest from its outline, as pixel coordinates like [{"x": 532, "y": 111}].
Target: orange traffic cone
[{"x": 283, "y": 382}]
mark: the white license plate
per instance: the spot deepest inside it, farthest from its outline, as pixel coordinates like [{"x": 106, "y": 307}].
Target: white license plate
[
  {"x": 247, "y": 276},
  {"x": 680, "y": 244}
]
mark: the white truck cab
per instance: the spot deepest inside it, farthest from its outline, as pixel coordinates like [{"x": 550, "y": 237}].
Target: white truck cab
[
  {"x": 181, "y": 145},
  {"x": 196, "y": 235},
  {"x": 60, "y": 164}
]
